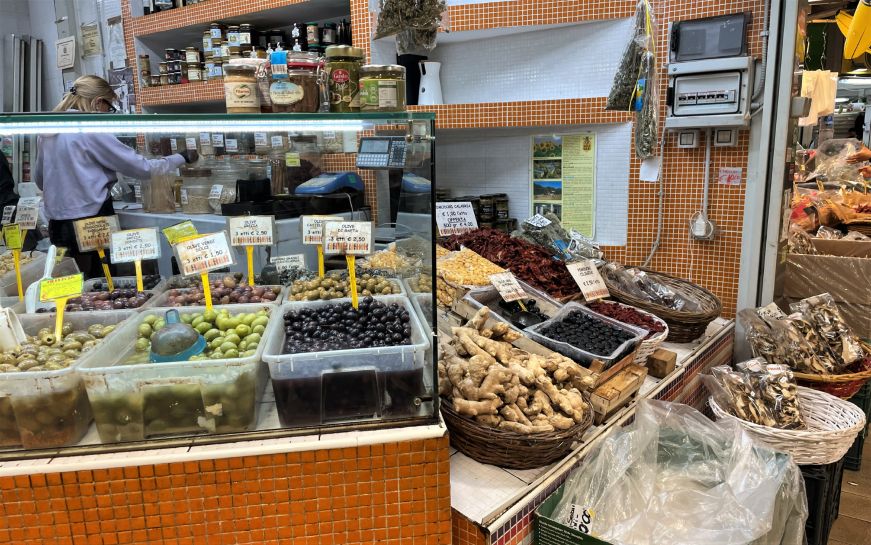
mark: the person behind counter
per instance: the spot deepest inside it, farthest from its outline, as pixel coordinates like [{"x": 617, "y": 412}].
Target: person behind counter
[{"x": 76, "y": 172}]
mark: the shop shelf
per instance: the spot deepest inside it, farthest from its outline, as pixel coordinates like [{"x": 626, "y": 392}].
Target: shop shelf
[
  {"x": 47, "y": 409},
  {"x": 531, "y": 113},
  {"x": 132, "y": 402},
  {"x": 853, "y": 459},
  {"x": 823, "y": 487},
  {"x": 344, "y": 385},
  {"x": 179, "y": 95}
]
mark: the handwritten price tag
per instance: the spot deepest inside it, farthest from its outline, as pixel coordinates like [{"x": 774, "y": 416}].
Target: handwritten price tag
[
  {"x": 62, "y": 287},
  {"x": 538, "y": 221},
  {"x": 260, "y": 139},
  {"x": 8, "y": 212},
  {"x": 453, "y": 218},
  {"x": 204, "y": 253},
  {"x": 190, "y": 143},
  {"x": 179, "y": 231},
  {"x": 205, "y": 139},
  {"x": 28, "y": 211},
  {"x": 348, "y": 237},
  {"x": 135, "y": 245},
  {"x": 95, "y": 233},
  {"x": 587, "y": 277},
  {"x": 252, "y": 230},
  {"x": 507, "y": 286},
  {"x": 313, "y": 228},
  {"x": 284, "y": 262},
  {"x": 218, "y": 140},
  {"x": 12, "y": 236}
]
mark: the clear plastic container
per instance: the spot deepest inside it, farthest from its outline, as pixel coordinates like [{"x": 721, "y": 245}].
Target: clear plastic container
[
  {"x": 132, "y": 402},
  {"x": 47, "y": 409},
  {"x": 162, "y": 300},
  {"x": 316, "y": 388},
  {"x": 489, "y": 297},
  {"x": 32, "y": 272},
  {"x": 422, "y": 303},
  {"x": 195, "y": 199},
  {"x": 8, "y": 283},
  {"x": 123, "y": 282}
]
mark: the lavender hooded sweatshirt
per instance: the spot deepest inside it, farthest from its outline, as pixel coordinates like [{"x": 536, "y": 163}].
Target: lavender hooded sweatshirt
[{"x": 77, "y": 171}]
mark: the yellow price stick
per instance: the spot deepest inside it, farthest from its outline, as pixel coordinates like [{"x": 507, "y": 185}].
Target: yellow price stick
[
  {"x": 207, "y": 290},
  {"x": 249, "y": 252},
  {"x": 60, "y": 290},
  {"x": 138, "y": 265},
  {"x": 321, "y": 260},
  {"x": 60, "y": 305},
  {"x": 102, "y": 253},
  {"x": 352, "y": 274},
  {"x": 16, "y": 257}
]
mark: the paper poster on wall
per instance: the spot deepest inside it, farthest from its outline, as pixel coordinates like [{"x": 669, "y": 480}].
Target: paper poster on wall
[
  {"x": 563, "y": 179},
  {"x": 66, "y": 52},
  {"x": 117, "y": 49},
  {"x": 91, "y": 42}
]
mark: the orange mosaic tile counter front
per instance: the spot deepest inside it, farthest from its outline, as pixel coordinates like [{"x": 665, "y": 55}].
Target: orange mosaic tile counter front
[{"x": 392, "y": 493}]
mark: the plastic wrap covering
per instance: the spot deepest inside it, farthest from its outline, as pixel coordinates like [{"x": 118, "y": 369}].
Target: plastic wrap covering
[
  {"x": 799, "y": 241},
  {"x": 566, "y": 245},
  {"x": 803, "y": 349},
  {"x": 760, "y": 337},
  {"x": 639, "y": 284},
  {"x": 415, "y": 23},
  {"x": 824, "y": 314},
  {"x": 829, "y": 233},
  {"x": 831, "y": 161},
  {"x": 675, "y": 477}
]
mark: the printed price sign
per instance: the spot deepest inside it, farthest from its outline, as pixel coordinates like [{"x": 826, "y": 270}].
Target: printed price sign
[
  {"x": 179, "y": 231},
  {"x": 284, "y": 262},
  {"x": 218, "y": 140},
  {"x": 232, "y": 145},
  {"x": 95, "y": 233},
  {"x": 313, "y": 228},
  {"x": 8, "y": 212},
  {"x": 28, "y": 211},
  {"x": 12, "y": 236},
  {"x": 204, "y": 253},
  {"x": 292, "y": 159},
  {"x": 190, "y": 143},
  {"x": 453, "y": 218},
  {"x": 135, "y": 245},
  {"x": 277, "y": 142},
  {"x": 61, "y": 288},
  {"x": 205, "y": 139},
  {"x": 348, "y": 237},
  {"x": 260, "y": 139},
  {"x": 507, "y": 286},
  {"x": 587, "y": 277},
  {"x": 216, "y": 192},
  {"x": 538, "y": 221},
  {"x": 252, "y": 230}
]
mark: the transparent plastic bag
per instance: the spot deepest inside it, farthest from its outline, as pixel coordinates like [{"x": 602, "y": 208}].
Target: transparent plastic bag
[
  {"x": 550, "y": 234},
  {"x": 828, "y": 233},
  {"x": 623, "y": 89},
  {"x": 760, "y": 336},
  {"x": 830, "y": 326},
  {"x": 638, "y": 283},
  {"x": 735, "y": 394},
  {"x": 675, "y": 477},
  {"x": 415, "y": 23},
  {"x": 831, "y": 161},
  {"x": 803, "y": 350}
]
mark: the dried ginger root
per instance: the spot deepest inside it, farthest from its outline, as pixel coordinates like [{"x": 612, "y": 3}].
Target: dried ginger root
[
  {"x": 479, "y": 319},
  {"x": 491, "y": 420},
  {"x": 560, "y": 422},
  {"x": 512, "y": 413},
  {"x": 557, "y": 399},
  {"x": 499, "y": 350},
  {"x": 517, "y": 427},
  {"x": 475, "y": 408}
]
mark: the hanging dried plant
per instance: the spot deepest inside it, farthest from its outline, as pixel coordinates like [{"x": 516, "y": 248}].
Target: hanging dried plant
[{"x": 414, "y": 22}]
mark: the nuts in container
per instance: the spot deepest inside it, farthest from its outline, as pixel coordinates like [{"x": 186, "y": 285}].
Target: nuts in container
[{"x": 467, "y": 268}]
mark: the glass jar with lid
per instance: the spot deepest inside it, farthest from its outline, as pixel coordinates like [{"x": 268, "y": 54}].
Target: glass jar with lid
[
  {"x": 233, "y": 35},
  {"x": 246, "y": 35},
  {"x": 240, "y": 89},
  {"x": 295, "y": 82},
  {"x": 382, "y": 88},
  {"x": 343, "y": 77}
]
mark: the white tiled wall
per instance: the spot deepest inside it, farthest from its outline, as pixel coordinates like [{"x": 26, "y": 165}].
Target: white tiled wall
[{"x": 475, "y": 162}]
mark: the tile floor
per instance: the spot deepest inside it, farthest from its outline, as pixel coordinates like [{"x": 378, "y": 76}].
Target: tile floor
[{"x": 853, "y": 526}]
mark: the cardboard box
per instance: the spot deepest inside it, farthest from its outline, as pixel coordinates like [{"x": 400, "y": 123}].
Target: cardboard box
[
  {"x": 847, "y": 279},
  {"x": 550, "y": 532},
  {"x": 842, "y": 248}
]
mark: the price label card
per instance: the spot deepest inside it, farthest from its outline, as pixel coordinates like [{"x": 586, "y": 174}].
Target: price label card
[
  {"x": 8, "y": 212},
  {"x": 508, "y": 286},
  {"x": 587, "y": 277},
  {"x": 175, "y": 233},
  {"x": 277, "y": 141},
  {"x": 218, "y": 140},
  {"x": 260, "y": 139},
  {"x": 95, "y": 233},
  {"x": 204, "y": 253},
  {"x": 252, "y": 230},
  {"x": 184, "y": 196},
  {"x": 313, "y": 228},
  {"x": 137, "y": 190},
  {"x": 12, "y": 236},
  {"x": 61, "y": 287},
  {"x": 205, "y": 139},
  {"x": 28, "y": 211},
  {"x": 232, "y": 145},
  {"x": 291, "y": 159},
  {"x": 135, "y": 245},
  {"x": 173, "y": 145},
  {"x": 190, "y": 143},
  {"x": 284, "y": 262},
  {"x": 538, "y": 221},
  {"x": 216, "y": 192},
  {"x": 348, "y": 237},
  {"x": 453, "y": 218}
]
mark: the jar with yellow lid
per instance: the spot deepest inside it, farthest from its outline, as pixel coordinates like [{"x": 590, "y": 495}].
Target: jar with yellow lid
[
  {"x": 382, "y": 88},
  {"x": 343, "y": 77}
]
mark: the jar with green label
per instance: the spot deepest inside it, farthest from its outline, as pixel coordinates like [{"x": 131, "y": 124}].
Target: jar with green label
[
  {"x": 382, "y": 88},
  {"x": 343, "y": 77}
]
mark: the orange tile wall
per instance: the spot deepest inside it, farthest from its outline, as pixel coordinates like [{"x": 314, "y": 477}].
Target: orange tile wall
[{"x": 390, "y": 494}]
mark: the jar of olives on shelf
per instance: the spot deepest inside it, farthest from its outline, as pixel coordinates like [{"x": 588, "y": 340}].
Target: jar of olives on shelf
[
  {"x": 343, "y": 77},
  {"x": 382, "y": 88}
]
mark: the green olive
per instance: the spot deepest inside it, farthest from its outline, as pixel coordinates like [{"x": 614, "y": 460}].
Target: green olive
[
  {"x": 231, "y": 353},
  {"x": 142, "y": 345},
  {"x": 227, "y": 346},
  {"x": 211, "y": 334}
]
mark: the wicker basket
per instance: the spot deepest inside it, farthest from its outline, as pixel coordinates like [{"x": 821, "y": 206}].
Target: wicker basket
[
  {"x": 509, "y": 449},
  {"x": 844, "y": 386},
  {"x": 683, "y": 327},
  {"x": 832, "y": 426}
]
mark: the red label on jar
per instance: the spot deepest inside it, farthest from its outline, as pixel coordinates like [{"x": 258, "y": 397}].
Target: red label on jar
[
  {"x": 341, "y": 75},
  {"x": 242, "y": 91}
]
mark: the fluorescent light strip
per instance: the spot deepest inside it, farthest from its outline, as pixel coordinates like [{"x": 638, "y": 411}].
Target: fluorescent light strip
[{"x": 175, "y": 126}]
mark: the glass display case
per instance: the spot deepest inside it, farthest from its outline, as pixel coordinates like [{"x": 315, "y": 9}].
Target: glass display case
[{"x": 286, "y": 354}]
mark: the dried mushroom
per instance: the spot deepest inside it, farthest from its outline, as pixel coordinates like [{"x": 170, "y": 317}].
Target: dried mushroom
[{"x": 823, "y": 313}]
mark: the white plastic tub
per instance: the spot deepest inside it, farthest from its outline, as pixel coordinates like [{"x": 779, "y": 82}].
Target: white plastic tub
[
  {"x": 47, "y": 409},
  {"x": 315, "y": 388},
  {"x": 422, "y": 303},
  {"x": 123, "y": 282},
  {"x": 132, "y": 402},
  {"x": 30, "y": 271}
]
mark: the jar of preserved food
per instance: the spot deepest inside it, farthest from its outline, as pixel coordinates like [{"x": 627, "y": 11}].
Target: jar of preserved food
[
  {"x": 382, "y": 88},
  {"x": 155, "y": 80},
  {"x": 240, "y": 89},
  {"x": 235, "y": 52},
  {"x": 343, "y": 77},
  {"x": 312, "y": 34},
  {"x": 501, "y": 205},
  {"x": 276, "y": 36},
  {"x": 216, "y": 30},
  {"x": 295, "y": 86},
  {"x": 163, "y": 68},
  {"x": 246, "y": 36},
  {"x": 207, "y": 41},
  {"x": 144, "y": 70},
  {"x": 164, "y": 79},
  {"x": 191, "y": 54},
  {"x": 233, "y": 35},
  {"x": 329, "y": 35},
  {"x": 195, "y": 71}
]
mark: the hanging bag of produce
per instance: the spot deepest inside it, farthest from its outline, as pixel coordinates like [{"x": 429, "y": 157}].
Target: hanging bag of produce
[{"x": 415, "y": 23}]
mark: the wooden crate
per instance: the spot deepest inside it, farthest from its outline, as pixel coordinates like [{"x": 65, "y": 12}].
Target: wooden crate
[{"x": 614, "y": 394}]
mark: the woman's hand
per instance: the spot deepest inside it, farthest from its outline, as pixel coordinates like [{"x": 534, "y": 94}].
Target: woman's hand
[
  {"x": 190, "y": 156},
  {"x": 862, "y": 155},
  {"x": 866, "y": 172}
]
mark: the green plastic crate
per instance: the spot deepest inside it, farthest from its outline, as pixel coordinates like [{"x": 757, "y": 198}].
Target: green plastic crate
[
  {"x": 862, "y": 399},
  {"x": 550, "y": 532}
]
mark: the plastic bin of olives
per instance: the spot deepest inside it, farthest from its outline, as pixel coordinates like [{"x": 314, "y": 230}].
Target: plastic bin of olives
[
  {"x": 226, "y": 290},
  {"x": 43, "y": 403},
  {"x": 216, "y": 391},
  {"x": 337, "y": 285}
]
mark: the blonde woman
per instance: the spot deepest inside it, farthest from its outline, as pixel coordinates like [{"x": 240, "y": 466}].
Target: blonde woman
[{"x": 77, "y": 171}]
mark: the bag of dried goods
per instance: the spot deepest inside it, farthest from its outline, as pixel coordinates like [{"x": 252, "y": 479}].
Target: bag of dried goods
[{"x": 824, "y": 314}]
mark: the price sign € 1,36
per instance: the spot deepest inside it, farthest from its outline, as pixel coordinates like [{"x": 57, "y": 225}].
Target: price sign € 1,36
[
  {"x": 348, "y": 237},
  {"x": 252, "y": 230},
  {"x": 453, "y": 218}
]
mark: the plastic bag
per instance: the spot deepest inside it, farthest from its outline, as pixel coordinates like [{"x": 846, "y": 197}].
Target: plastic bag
[
  {"x": 735, "y": 394},
  {"x": 799, "y": 242},
  {"x": 638, "y": 283},
  {"x": 828, "y": 233},
  {"x": 855, "y": 235},
  {"x": 824, "y": 314},
  {"x": 831, "y": 161},
  {"x": 760, "y": 336},
  {"x": 675, "y": 477},
  {"x": 415, "y": 23},
  {"x": 803, "y": 350},
  {"x": 547, "y": 231}
]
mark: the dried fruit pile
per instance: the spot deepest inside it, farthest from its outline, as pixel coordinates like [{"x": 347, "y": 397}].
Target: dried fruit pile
[{"x": 628, "y": 315}]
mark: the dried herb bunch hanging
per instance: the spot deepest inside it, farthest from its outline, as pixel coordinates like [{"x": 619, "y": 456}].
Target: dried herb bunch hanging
[{"x": 415, "y": 23}]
